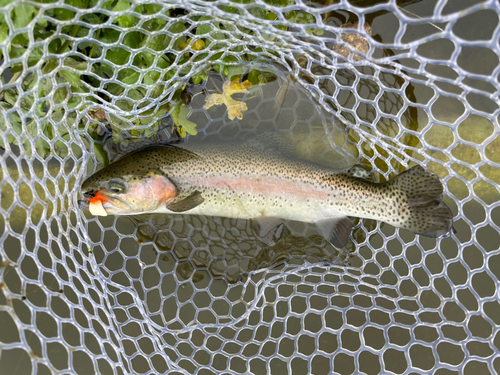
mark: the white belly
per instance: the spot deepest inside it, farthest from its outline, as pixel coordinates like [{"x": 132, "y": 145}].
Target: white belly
[{"x": 245, "y": 207}]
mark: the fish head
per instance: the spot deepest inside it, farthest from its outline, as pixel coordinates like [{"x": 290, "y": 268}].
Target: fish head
[{"x": 132, "y": 185}]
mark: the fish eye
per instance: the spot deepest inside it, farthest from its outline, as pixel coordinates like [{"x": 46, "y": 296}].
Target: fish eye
[{"x": 116, "y": 185}]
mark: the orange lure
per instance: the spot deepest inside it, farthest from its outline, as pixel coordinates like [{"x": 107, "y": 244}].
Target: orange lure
[{"x": 98, "y": 198}]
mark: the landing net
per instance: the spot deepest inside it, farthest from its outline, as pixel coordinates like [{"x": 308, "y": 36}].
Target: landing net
[{"x": 386, "y": 84}]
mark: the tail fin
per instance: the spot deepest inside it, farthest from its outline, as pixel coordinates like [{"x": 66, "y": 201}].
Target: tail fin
[{"x": 426, "y": 215}]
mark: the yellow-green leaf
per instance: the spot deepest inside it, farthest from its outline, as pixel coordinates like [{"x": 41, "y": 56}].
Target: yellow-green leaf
[
  {"x": 23, "y": 14},
  {"x": 101, "y": 155},
  {"x": 123, "y": 21},
  {"x": 72, "y": 78},
  {"x": 183, "y": 124},
  {"x": 4, "y": 28}
]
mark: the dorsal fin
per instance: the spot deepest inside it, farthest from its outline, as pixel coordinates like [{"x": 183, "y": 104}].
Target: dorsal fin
[{"x": 359, "y": 172}]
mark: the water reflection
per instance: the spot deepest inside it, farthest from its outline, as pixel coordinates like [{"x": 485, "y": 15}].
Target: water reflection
[{"x": 228, "y": 248}]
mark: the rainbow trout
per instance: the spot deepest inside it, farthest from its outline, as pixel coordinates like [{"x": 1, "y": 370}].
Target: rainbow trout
[{"x": 262, "y": 185}]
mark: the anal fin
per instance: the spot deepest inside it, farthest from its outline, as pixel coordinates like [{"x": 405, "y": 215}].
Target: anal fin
[
  {"x": 268, "y": 229},
  {"x": 336, "y": 231}
]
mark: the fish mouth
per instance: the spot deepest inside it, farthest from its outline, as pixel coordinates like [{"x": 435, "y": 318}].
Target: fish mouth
[
  {"x": 139, "y": 198},
  {"x": 110, "y": 203}
]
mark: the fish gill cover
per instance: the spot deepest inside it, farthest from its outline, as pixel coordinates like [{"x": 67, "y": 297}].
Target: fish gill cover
[{"x": 388, "y": 84}]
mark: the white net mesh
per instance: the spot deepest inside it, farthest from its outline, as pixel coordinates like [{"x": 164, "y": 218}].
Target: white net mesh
[{"x": 412, "y": 81}]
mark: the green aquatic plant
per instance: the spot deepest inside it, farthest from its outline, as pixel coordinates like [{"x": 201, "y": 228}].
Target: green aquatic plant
[{"x": 127, "y": 59}]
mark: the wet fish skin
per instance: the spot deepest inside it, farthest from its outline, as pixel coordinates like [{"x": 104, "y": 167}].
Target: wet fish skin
[{"x": 240, "y": 181}]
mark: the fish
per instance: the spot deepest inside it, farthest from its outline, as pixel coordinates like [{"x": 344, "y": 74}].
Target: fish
[{"x": 266, "y": 185}]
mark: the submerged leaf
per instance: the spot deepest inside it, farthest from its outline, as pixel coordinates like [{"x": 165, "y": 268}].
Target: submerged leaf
[
  {"x": 235, "y": 108},
  {"x": 72, "y": 78},
  {"x": 183, "y": 124},
  {"x": 10, "y": 97},
  {"x": 123, "y": 21},
  {"x": 206, "y": 28},
  {"x": 118, "y": 55},
  {"x": 101, "y": 155},
  {"x": 199, "y": 77},
  {"x": 4, "y": 29},
  {"x": 23, "y": 14},
  {"x": 131, "y": 77},
  {"x": 41, "y": 146}
]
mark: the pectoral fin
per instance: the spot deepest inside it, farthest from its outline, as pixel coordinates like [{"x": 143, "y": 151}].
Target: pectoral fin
[
  {"x": 336, "y": 231},
  {"x": 268, "y": 229},
  {"x": 188, "y": 203}
]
